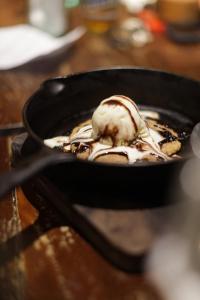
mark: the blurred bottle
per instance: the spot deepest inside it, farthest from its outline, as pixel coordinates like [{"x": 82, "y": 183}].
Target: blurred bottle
[
  {"x": 48, "y": 15},
  {"x": 100, "y": 15}
]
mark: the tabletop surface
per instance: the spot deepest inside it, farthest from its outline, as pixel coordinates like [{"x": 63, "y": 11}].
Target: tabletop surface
[{"x": 54, "y": 262}]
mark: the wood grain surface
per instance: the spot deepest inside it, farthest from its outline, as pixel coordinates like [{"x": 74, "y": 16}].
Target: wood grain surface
[{"x": 41, "y": 258}]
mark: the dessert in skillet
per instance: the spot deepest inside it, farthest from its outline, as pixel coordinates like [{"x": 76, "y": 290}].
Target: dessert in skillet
[{"x": 119, "y": 133}]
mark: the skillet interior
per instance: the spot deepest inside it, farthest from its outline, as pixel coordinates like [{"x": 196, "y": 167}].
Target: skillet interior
[{"x": 63, "y": 102}]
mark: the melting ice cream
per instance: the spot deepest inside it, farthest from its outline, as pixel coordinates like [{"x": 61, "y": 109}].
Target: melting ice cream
[{"x": 118, "y": 128}]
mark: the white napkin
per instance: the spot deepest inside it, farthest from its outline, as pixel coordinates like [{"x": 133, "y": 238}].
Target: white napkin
[{"x": 23, "y": 43}]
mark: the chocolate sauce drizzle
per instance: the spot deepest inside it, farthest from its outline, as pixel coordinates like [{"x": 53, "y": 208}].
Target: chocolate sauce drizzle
[
  {"x": 128, "y": 99},
  {"x": 119, "y": 103}
]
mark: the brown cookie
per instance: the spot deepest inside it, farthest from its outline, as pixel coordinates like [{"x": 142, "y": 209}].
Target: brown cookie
[{"x": 168, "y": 148}]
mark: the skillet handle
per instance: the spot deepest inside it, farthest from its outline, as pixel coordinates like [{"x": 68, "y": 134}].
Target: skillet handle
[
  {"x": 30, "y": 167},
  {"x": 12, "y": 129}
]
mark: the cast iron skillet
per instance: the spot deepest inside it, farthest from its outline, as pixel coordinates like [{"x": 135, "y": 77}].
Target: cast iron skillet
[{"x": 61, "y": 103}]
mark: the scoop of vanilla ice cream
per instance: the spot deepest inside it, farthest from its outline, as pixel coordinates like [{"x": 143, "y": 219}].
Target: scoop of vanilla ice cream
[{"x": 117, "y": 121}]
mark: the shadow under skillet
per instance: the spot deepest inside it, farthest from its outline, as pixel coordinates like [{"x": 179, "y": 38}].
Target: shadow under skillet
[{"x": 122, "y": 237}]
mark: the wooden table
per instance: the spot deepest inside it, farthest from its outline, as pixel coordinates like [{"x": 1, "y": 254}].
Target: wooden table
[{"x": 58, "y": 263}]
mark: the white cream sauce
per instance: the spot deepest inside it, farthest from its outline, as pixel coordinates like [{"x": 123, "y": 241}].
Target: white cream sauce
[
  {"x": 57, "y": 141},
  {"x": 149, "y": 145}
]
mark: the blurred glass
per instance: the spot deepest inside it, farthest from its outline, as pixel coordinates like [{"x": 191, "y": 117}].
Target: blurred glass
[
  {"x": 100, "y": 15},
  {"x": 174, "y": 261},
  {"x": 48, "y": 15}
]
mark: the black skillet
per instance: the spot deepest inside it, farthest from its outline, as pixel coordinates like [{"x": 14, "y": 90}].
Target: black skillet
[
  {"x": 61, "y": 103},
  {"x": 80, "y": 189}
]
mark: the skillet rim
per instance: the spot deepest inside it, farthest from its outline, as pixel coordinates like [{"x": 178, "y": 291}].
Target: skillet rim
[{"x": 71, "y": 156}]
